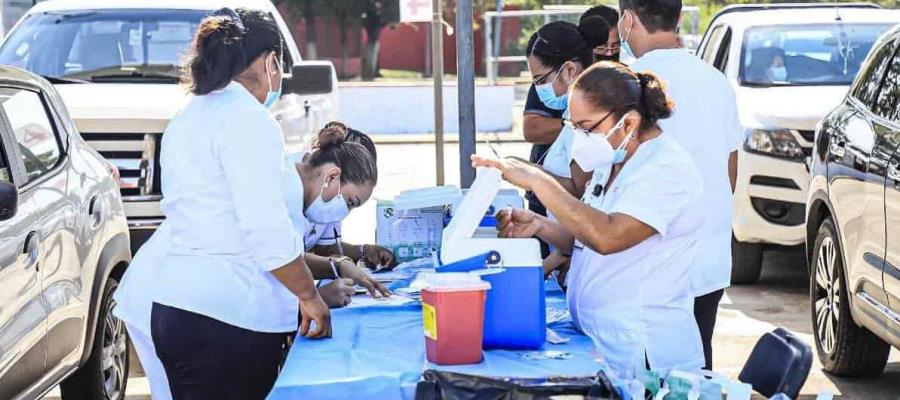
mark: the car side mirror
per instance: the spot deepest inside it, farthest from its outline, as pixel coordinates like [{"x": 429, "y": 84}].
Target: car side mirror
[
  {"x": 309, "y": 78},
  {"x": 9, "y": 200}
]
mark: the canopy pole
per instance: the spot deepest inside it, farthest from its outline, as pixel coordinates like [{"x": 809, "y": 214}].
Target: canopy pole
[
  {"x": 437, "y": 72},
  {"x": 465, "y": 66}
]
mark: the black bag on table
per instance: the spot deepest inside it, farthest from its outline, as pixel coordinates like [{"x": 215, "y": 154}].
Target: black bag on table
[
  {"x": 780, "y": 363},
  {"x": 439, "y": 385}
]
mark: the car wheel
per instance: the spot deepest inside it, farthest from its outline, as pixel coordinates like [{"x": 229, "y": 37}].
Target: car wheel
[
  {"x": 746, "y": 262},
  {"x": 105, "y": 375},
  {"x": 845, "y": 348}
]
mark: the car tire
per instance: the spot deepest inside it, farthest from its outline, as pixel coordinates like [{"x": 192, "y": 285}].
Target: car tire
[
  {"x": 105, "y": 375},
  {"x": 845, "y": 348},
  {"x": 746, "y": 262}
]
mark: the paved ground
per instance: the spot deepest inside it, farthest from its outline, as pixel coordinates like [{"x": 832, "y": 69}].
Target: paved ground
[{"x": 780, "y": 299}]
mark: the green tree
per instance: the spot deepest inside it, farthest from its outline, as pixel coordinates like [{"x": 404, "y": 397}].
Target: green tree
[
  {"x": 348, "y": 15},
  {"x": 376, "y": 15},
  {"x": 308, "y": 10}
]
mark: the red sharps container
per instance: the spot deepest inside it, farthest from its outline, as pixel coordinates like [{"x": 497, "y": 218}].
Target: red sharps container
[{"x": 453, "y": 317}]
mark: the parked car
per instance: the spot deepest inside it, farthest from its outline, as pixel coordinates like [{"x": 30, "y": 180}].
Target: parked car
[
  {"x": 790, "y": 65},
  {"x": 63, "y": 247},
  {"x": 853, "y": 220},
  {"x": 117, "y": 66}
]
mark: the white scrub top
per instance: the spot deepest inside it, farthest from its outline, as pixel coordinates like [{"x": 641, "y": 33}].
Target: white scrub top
[
  {"x": 321, "y": 234},
  {"x": 706, "y": 124},
  {"x": 636, "y": 305},
  {"x": 228, "y": 224},
  {"x": 558, "y": 159},
  {"x": 135, "y": 295}
]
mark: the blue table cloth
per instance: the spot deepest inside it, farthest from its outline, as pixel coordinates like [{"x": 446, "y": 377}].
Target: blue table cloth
[{"x": 379, "y": 352}]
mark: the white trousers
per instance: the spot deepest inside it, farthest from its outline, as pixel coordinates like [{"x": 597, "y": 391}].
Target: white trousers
[{"x": 153, "y": 368}]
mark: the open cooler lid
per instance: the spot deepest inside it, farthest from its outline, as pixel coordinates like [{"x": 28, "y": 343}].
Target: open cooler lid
[
  {"x": 427, "y": 197},
  {"x": 474, "y": 204}
]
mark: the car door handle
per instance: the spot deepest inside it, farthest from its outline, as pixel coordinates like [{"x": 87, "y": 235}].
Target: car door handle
[
  {"x": 95, "y": 210},
  {"x": 838, "y": 147},
  {"x": 32, "y": 249}
]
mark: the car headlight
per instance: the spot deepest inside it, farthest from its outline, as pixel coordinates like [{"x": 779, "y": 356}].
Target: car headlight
[{"x": 777, "y": 143}]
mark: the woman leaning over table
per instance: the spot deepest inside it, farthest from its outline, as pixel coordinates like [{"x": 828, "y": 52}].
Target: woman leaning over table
[
  {"x": 227, "y": 291},
  {"x": 633, "y": 234}
]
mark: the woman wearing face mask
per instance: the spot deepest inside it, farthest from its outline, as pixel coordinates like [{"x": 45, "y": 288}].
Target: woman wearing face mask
[
  {"x": 219, "y": 287},
  {"x": 345, "y": 174},
  {"x": 324, "y": 238},
  {"x": 557, "y": 53},
  {"x": 634, "y": 232}
]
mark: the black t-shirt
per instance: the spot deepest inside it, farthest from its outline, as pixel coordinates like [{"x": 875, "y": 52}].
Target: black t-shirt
[{"x": 534, "y": 105}]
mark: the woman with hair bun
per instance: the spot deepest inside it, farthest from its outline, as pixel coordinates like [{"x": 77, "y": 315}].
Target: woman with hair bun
[
  {"x": 323, "y": 238},
  {"x": 633, "y": 234},
  {"x": 213, "y": 296}
]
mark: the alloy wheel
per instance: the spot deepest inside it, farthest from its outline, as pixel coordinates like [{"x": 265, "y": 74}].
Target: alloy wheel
[
  {"x": 114, "y": 356},
  {"x": 828, "y": 295}
]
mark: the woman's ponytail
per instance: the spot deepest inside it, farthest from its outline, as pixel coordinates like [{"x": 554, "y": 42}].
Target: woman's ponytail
[
  {"x": 217, "y": 54},
  {"x": 226, "y": 43},
  {"x": 655, "y": 103}
]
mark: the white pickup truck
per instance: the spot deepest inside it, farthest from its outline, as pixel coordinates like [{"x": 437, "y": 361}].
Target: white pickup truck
[{"x": 116, "y": 65}]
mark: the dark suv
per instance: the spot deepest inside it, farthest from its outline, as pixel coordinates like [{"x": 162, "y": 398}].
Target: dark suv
[
  {"x": 63, "y": 246},
  {"x": 853, "y": 220}
]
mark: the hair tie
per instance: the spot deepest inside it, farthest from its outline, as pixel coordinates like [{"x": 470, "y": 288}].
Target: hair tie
[
  {"x": 229, "y": 13},
  {"x": 643, "y": 79}
]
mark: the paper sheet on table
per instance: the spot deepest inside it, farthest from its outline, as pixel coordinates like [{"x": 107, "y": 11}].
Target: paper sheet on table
[
  {"x": 405, "y": 270},
  {"x": 364, "y": 300}
]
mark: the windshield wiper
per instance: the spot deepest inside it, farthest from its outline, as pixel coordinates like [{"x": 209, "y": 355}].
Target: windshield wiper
[
  {"x": 130, "y": 75},
  {"x": 59, "y": 79}
]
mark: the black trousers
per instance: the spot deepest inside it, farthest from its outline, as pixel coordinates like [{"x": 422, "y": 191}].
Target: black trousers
[
  {"x": 705, "y": 309},
  {"x": 208, "y": 359}
]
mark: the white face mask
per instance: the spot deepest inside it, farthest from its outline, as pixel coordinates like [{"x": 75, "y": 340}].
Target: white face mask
[
  {"x": 592, "y": 151},
  {"x": 327, "y": 212}
]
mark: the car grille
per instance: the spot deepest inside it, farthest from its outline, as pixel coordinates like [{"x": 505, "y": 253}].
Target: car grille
[{"x": 137, "y": 157}]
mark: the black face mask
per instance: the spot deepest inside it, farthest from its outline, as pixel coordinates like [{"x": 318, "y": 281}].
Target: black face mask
[{"x": 603, "y": 57}]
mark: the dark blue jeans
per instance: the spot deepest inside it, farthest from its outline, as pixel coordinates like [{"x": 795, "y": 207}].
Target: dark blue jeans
[{"x": 205, "y": 358}]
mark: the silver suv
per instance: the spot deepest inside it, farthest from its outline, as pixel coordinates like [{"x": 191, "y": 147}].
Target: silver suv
[{"x": 63, "y": 246}]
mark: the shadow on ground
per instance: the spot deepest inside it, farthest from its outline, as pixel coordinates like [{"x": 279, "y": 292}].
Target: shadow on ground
[{"x": 781, "y": 298}]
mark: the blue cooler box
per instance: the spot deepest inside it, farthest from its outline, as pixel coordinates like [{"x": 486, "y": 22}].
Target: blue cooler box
[{"x": 515, "y": 313}]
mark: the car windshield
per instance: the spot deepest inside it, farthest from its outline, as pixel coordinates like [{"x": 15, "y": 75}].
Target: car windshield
[
  {"x": 797, "y": 55},
  {"x": 103, "y": 45}
]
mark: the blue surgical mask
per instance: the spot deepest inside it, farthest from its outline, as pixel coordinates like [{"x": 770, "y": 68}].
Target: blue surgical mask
[
  {"x": 625, "y": 52},
  {"x": 327, "y": 212},
  {"x": 548, "y": 96},
  {"x": 273, "y": 95},
  {"x": 779, "y": 74}
]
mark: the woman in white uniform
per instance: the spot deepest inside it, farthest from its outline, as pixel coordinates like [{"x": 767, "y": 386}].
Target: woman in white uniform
[
  {"x": 633, "y": 234},
  {"x": 557, "y": 53},
  {"x": 136, "y": 301},
  {"x": 225, "y": 276}
]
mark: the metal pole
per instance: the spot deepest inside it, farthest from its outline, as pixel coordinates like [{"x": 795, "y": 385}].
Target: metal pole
[
  {"x": 437, "y": 71},
  {"x": 465, "y": 67},
  {"x": 497, "y": 37},
  {"x": 488, "y": 50}
]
